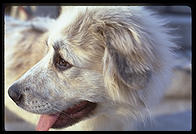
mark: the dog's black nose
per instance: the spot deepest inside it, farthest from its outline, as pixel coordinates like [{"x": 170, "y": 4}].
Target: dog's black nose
[{"x": 14, "y": 94}]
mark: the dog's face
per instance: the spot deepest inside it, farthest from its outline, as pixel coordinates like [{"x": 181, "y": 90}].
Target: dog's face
[{"x": 94, "y": 59}]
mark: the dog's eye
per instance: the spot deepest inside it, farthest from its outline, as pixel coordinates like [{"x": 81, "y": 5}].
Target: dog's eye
[{"x": 62, "y": 64}]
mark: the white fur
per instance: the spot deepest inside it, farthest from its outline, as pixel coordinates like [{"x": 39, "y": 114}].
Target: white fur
[{"x": 142, "y": 41}]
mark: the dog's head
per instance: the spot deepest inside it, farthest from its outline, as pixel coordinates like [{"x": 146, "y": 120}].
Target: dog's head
[{"x": 98, "y": 58}]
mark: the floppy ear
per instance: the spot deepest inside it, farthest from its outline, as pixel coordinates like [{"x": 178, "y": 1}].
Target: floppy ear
[{"x": 127, "y": 58}]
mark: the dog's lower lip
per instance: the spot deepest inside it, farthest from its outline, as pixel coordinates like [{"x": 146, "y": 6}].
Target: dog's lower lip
[
  {"x": 74, "y": 114},
  {"x": 69, "y": 116}
]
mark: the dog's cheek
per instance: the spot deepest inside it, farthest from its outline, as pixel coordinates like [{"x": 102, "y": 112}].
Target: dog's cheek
[
  {"x": 77, "y": 83},
  {"x": 92, "y": 86}
]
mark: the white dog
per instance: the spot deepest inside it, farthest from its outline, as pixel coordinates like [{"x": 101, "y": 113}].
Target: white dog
[{"x": 104, "y": 69}]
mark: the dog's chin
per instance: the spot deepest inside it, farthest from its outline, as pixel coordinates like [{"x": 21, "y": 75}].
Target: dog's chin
[{"x": 67, "y": 117}]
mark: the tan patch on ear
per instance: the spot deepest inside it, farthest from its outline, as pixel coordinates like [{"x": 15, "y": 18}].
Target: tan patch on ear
[
  {"x": 90, "y": 57},
  {"x": 84, "y": 42}
]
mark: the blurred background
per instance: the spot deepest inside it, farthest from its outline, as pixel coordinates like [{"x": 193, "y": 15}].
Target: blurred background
[{"x": 175, "y": 110}]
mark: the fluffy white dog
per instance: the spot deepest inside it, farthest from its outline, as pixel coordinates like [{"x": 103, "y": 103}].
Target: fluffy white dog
[{"x": 104, "y": 69}]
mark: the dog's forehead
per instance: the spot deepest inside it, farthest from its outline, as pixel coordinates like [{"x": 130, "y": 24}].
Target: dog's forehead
[
  {"x": 66, "y": 29},
  {"x": 65, "y": 20},
  {"x": 72, "y": 39}
]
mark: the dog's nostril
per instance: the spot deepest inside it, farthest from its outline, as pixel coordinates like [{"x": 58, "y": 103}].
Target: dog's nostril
[{"x": 14, "y": 93}]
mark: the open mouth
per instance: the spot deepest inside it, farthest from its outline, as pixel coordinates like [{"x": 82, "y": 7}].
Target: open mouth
[{"x": 67, "y": 117}]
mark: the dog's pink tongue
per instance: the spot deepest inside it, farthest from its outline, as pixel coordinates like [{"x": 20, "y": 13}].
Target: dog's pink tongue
[{"x": 46, "y": 122}]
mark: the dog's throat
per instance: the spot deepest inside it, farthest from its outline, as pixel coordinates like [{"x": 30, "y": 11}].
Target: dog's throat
[{"x": 67, "y": 117}]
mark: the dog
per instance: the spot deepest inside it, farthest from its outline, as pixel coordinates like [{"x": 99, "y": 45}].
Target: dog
[{"x": 105, "y": 67}]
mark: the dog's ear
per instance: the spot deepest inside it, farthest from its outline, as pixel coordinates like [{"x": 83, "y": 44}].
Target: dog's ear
[{"x": 128, "y": 57}]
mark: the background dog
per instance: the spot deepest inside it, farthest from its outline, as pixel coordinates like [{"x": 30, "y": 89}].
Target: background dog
[
  {"x": 24, "y": 48},
  {"x": 107, "y": 63}
]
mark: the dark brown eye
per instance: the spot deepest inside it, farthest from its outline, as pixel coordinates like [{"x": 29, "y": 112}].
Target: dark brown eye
[{"x": 61, "y": 64}]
